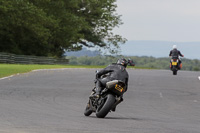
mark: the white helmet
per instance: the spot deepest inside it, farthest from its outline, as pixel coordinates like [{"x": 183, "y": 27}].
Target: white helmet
[{"x": 174, "y": 47}]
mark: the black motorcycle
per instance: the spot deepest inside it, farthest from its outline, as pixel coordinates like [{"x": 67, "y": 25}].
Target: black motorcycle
[
  {"x": 174, "y": 65},
  {"x": 110, "y": 96}
]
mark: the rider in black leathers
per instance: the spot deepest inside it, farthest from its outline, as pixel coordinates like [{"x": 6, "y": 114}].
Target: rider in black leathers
[
  {"x": 116, "y": 71},
  {"x": 174, "y": 54}
]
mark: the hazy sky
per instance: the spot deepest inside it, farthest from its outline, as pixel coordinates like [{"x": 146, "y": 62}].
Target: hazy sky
[{"x": 166, "y": 20}]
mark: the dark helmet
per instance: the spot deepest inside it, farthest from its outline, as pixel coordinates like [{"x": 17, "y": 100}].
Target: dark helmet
[
  {"x": 131, "y": 62},
  {"x": 122, "y": 62}
]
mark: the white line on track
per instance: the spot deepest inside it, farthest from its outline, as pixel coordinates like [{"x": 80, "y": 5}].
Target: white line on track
[
  {"x": 161, "y": 95},
  {"x": 37, "y": 70},
  {"x": 195, "y": 101},
  {"x": 199, "y": 77},
  {"x": 55, "y": 69},
  {"x": 6, "y": 77},
  {"x": 41, "y": 70}
]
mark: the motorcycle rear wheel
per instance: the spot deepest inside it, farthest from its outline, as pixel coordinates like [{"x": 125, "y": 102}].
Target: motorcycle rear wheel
[
  {"x": 103, "y": 110},
  {"x": 174, "y": 72}
]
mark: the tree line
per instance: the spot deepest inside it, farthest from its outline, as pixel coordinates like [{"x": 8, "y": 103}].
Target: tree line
[
  {"x": 141, "y": 62},
  {"x": 51, "y": 27}
]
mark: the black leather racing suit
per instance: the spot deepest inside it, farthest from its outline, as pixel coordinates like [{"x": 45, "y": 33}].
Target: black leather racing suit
[
  {"x": 175, "y": 55},
  {"x": 116, "y": 72}
]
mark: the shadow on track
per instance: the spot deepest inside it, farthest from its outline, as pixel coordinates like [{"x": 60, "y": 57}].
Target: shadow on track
[{"x": 118, "y": 118}]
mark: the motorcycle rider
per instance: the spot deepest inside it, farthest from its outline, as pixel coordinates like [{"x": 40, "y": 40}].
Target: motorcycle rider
[
  {"x": 174, "y": 54},
  {"x": 115, "y": 71}
]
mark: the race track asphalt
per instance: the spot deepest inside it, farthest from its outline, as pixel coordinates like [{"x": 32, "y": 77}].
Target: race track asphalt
[{"x": 53, "y": 101}]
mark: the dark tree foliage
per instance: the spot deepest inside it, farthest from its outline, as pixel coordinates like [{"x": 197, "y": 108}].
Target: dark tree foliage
[
  {"x": 23, "y": 28},
  {"x": 49, "y": 27}
]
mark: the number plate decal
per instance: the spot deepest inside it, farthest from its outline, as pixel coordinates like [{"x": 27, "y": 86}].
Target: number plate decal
[
  {"x": 174, "y": 63},
  {"x": 119, "y": 88}
]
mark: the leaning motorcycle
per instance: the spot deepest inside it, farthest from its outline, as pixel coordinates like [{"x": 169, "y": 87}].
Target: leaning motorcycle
[{"x": 109, "y": 97}]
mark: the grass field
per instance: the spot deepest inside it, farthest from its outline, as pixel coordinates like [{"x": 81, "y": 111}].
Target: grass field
[{"x": 10, "y": 69}]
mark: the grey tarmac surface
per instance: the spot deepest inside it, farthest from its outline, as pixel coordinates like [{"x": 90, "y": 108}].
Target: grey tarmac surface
[{"x": 53, "y": 101}]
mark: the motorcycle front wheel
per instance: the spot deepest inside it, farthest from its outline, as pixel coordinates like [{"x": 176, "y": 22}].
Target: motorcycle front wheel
[
  {"x": 105, "y": 106},
  {"x": 87, "y": 111}
]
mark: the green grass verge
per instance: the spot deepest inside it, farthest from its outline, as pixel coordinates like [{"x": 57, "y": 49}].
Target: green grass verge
[{"x": 10, "y": 69}]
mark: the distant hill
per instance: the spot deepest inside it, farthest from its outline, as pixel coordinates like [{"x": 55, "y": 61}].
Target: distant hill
[
  {"x": 191, "y": 50},
  {"x": 157, "y": 49}
]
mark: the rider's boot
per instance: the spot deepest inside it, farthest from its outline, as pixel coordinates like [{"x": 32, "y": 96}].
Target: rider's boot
[
  {"x": 96, "y": 94},
  {"x": 118, "y": 102}
]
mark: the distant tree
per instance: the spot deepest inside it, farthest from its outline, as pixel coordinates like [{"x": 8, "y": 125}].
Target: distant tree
[{"x": 142, "y": 62}]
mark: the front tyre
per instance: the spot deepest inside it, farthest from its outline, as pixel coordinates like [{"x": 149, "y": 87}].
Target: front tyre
[
  {"x": 87, "y": 111},
  {"x": 106, "y": 106}
]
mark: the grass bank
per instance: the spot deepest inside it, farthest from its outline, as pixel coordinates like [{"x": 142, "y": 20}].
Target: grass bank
[{"x": 10, "y": 69}]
